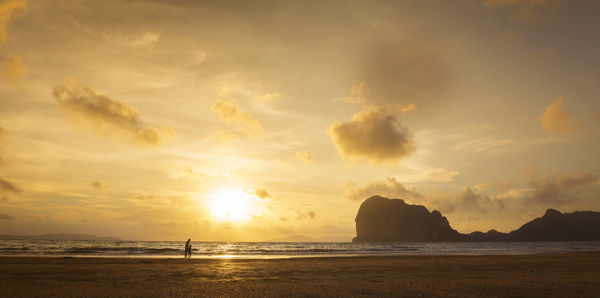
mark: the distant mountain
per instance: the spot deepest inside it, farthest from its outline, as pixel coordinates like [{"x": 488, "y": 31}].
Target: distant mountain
[
  {"x": 57, "y": 237},
  {"x": 557, "y": 226},
  {"x": 381, "y": 219}
]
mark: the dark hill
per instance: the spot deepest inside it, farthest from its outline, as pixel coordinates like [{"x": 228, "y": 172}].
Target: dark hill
[
  {"x": 380, "y": 219},
  {"x": 557, "y": 226}
]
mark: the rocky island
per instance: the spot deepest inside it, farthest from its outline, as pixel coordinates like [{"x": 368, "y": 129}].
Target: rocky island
[{"x": 381, "y": 219}]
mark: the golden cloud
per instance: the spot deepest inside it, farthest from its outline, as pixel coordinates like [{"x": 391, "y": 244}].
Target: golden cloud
[
  {"x": 231, "y": 114},
  {"x": 12, "y": 68},
  {"x": 260, "y": 192},
  {"x": 98, "y": 185},
  {"x": 441, "y": 175},
  {"x": 7, "y": 9},
  {"x": 555, "y": 120},
  {"x": 374, "y": 135},
  {"x": 305, "y": 215},
  {"x": 108, "y": 116},
  {"x": 270, "y": 96},
  {"x": 305, "y": 156}
]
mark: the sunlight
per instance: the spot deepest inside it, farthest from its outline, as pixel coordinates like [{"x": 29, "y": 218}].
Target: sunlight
[{"x": 231, "y": 205}]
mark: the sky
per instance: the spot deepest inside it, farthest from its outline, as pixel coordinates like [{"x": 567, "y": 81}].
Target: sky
[{"x": 274, "y": 120}]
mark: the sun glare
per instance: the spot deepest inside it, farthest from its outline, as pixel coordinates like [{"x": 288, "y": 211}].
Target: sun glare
[{"x": 231, "y": 205}]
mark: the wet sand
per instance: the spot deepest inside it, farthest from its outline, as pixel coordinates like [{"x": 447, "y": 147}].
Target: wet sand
[{"x": 573, "y": 274}]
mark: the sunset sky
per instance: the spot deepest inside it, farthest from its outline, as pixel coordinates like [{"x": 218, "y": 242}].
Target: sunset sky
[{"x": 274, "y": 120}]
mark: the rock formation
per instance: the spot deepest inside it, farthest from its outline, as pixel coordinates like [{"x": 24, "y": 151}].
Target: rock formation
[{"x": 381, "y": 219}]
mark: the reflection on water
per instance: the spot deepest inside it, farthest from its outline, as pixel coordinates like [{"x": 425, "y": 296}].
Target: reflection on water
[{"x": 232, "y": 250}]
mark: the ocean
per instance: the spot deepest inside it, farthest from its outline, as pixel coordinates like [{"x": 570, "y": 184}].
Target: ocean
[{"x": 263, "y": 250}]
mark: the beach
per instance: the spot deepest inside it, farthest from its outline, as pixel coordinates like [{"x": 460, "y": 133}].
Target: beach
[{"x": 568, "y": 274}]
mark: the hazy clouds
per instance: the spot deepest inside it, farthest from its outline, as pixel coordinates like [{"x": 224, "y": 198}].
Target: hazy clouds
[
  {"x": 558, "y": 189},
  {"x": 98, "y": 185},
  {"x": 11, "y": 66},
  {"x": 237, "y": 119},
  {"x": 400, "y": 75},
  {"x": 106, "y": 115},
  {"x": 3, "y": 135},
  {"x": 260, "y": 192},
  {"x": 6, "y": 217},
  {"x": 388, "y": 188},
  {"x": 8, "y": 188},
  {"x": 8, "y": 9},
  {"x": 305, "y": 156}
]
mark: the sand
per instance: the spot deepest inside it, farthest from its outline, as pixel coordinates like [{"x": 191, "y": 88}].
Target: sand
[{"x": 574, "y": 274}]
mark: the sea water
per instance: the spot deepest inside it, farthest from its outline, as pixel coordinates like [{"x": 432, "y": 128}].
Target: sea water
[{"x": 201, "y": 249}]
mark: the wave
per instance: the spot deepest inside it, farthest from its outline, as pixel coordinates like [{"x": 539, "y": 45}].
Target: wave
[
  {"x": 120, "y": 249},
  {"x": 276, "y": 250}
]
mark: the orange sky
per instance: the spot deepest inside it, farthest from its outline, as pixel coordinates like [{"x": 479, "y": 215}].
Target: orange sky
[{"x": 267, "y": 120}]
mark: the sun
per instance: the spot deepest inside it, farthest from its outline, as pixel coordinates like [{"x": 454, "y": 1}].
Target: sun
[{"x": 231, "y": 205}]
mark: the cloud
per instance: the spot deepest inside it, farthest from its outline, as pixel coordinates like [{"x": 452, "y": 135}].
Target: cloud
[
  {"x": 11, "y": 68},
  {"x": 231, "y": 114},
  {"x": 6, "y": 217},
  {"x": 260, "y": 192},
  {"x": 558, "y": 189},
  {"x": 500, "y": 185},
  {"x": 8, "y": 8},
  {"x": 8, "y": 188},
  {"x": 441, "y": 175},
  {"x": 98, "y": 185},
  {"x": 555, "y": 120},
  {"x": 3, "y": 134},
  {"x": 468, "y": 200},
  {"x": 305, "y": 156},
  {"x": 143, "y": 197},
  {"x": 146, "y": 39},
  {"x": 108, "y": 116},
  {"x": 398, "y": 75},
  {"x": 408, "y": 108},
  {"x": 374, "y": 135},
  {"x": 530, "y": 11},
  {"x": 305, "y": 215},
  {"x": 270, "y": 96},
  {"x": 486, "y": 145},
  {"x": 388, "y": 188},
  {"x": 138, "y": 40}
]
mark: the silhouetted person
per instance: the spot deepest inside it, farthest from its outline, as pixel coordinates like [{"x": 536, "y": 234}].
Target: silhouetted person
[
  {"x": 190, "y": 251},
  {"x": 187, "y": 249}
]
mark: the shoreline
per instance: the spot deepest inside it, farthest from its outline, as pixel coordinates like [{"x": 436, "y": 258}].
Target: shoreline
[{"x": 563, "y": 274}]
